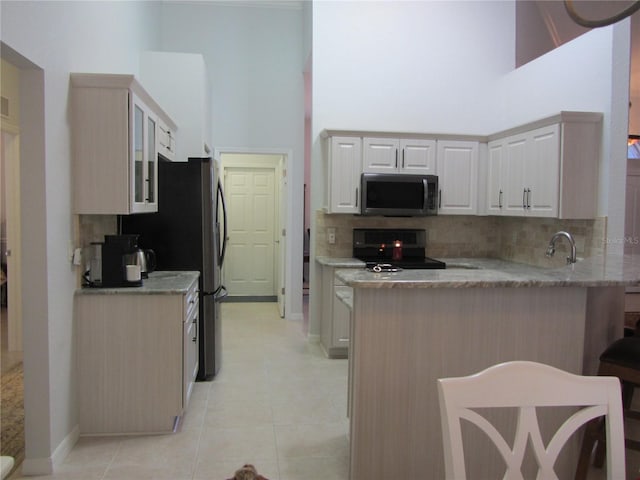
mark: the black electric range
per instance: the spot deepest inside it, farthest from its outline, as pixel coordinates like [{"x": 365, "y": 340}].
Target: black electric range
[{"x": 376, "y": 246}]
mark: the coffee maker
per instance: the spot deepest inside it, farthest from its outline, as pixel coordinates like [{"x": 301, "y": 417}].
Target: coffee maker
[{"x": 117, "y": 252}]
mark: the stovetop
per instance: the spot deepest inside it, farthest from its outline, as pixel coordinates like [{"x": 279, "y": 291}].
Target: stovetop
[
  {"x": 406, "y": 263},
  {"x": 376, "y": 246}
]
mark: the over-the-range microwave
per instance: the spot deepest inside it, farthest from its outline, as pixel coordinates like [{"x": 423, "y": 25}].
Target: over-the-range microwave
[{"x": 398, "y": 194}]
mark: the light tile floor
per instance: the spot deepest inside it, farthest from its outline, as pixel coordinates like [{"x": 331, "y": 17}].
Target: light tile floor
[{"x": 277, "y": 402}]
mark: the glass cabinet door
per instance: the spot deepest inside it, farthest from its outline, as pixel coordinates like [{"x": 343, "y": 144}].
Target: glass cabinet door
[
  {"x": 144, "y": 161},
  {"x": 138, "y": 154},
  {"x": 152, "y": 158}
]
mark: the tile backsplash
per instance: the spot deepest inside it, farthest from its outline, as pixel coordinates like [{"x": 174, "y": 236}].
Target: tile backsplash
[{"x": 516, "y": 239}]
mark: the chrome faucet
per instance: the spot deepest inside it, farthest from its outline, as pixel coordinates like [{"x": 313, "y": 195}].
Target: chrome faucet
[{"x": 551, "y": 249}]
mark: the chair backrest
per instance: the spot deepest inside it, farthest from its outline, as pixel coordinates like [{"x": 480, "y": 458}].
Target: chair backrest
[{"x": 527, "y": 385}]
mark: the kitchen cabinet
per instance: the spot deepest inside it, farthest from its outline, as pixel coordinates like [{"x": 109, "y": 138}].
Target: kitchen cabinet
[
  {"x": 137, "y": 357},
  {"x": 180, "y": 83},
  {"x": 457, "y": 167},
  {"x": 546, "y": 170},
  {"x": 345, "y": 169},
  {"x": 166, "y": 142},
  {"x": 114, "y": 124},
  {"x": 398, "y": 155},
  {"x": 336, "y": 315}
]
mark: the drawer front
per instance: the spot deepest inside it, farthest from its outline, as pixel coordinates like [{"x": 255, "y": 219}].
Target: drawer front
[{"x": 191, "y": 300}]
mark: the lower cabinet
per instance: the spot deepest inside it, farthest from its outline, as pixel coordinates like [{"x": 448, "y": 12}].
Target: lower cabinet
[
  {"x": 336, "y": 316},
  {"x": 137, "y": 359}
]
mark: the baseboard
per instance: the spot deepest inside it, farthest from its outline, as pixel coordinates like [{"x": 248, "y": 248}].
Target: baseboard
[
  {"x": 36, "y": 466},
  {"x": 65, "y": 447},
  {"x": 46, "y": 466},
  {"x": 249, "y": 299}
]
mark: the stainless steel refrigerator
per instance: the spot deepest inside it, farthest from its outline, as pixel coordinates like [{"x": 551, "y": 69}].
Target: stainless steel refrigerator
[{"x": 189, "y": 233}]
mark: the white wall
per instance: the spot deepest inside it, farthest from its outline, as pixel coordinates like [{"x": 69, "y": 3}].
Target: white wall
[
  {"x": 255, "y": 58},
  {"x": 59, "y": 38}
]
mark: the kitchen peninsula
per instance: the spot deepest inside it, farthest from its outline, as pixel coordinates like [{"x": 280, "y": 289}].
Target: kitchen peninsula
[{"x": 410, "y": 328}]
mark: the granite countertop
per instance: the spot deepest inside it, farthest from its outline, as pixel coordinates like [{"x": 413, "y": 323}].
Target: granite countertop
[
  {"x": 340, "y": 262},
  {"x": 599, "y": 271},
  {"x": 165, "y": 282},
  {"x": 345, "y": 295}
]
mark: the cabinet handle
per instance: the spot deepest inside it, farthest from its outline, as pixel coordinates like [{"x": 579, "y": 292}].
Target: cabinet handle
[
  {"x": 524, "y": 196},
  {"x": 403, "y": 158},
  {"x": 356, "y": 196},
  {"x": 500, "y": 199},
  {"x": 529, "y": 198},
  {"x": 396, "y": 158},
  {"x": 440, "y": 198}
]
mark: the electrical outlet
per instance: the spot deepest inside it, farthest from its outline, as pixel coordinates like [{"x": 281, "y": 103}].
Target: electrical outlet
[{"x": 331, "y": 235}]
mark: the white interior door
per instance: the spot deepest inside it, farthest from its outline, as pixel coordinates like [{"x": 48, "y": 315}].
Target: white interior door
[
  {"x": 249, "y": 269},
  {"x": 10, "y": 197}
]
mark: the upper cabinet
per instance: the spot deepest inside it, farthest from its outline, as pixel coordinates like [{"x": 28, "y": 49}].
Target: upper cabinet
[
  {"x": 546, "y": 170},
  {"x": 180, "y": 83},
  {"x": 399, "y": 155},
  {"x": 457, "y": 177},
  {"x": 114, "y": 124},
  {"x": 345, "y": 169}
]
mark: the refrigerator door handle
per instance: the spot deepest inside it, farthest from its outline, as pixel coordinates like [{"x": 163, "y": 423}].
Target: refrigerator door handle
[{"x": 223, "y": 250}]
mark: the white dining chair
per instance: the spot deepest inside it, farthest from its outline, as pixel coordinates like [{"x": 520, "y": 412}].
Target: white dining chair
[{"x": 527, "y": 385}]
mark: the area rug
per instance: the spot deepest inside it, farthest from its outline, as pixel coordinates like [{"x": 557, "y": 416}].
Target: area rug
[{"x": 12, "y": 414}]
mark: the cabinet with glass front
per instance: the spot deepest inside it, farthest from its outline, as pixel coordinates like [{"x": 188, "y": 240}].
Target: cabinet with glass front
[{"x": 115, "y": 144}]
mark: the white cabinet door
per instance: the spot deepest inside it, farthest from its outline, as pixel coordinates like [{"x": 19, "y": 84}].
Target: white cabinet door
[
  {"x": 341, "y": 319},
  {"x": 345, "y": 169},
  {"x": 418, "y": 156},
  {"x": 525, "y": 167},
  {"x": 543, "y": 171},
  {"x": 495, "y": 182},
  {"x": 514, "y": 166},
  {"x": 392, "y": 155},
  {"x": 380, "y": 155},
  {"x": 457, "y": 177}
]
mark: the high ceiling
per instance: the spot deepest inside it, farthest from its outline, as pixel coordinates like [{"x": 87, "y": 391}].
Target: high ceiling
[{"x": 557, "y": 27}]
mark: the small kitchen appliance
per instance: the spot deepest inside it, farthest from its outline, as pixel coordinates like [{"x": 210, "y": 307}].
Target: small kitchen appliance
[
  {"x": 118, "y": 251},
  {"x": 395, "y": 248},
  {"x": 145, "y": 259}
]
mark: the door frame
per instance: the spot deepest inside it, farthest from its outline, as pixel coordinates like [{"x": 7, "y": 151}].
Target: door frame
[
  {"x": 283, "y": 213},
  {"x": 633, "y": 170},
  {"x": 11, "y": 185}
]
